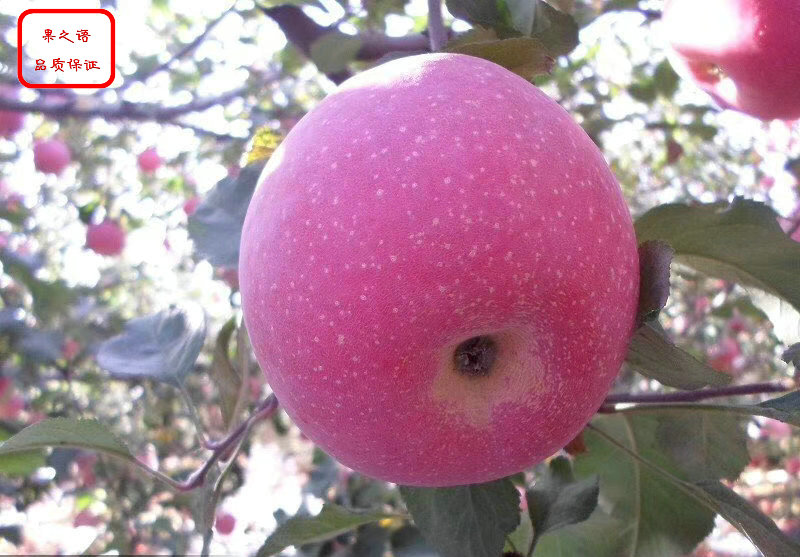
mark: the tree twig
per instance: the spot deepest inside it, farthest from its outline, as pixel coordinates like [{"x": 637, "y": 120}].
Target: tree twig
[
  {"x": 123, "y": 110},
  {"x": 694, "y": 396},
  {"x": 436, "y": 30},
  {"x": 189, "y": 47}
]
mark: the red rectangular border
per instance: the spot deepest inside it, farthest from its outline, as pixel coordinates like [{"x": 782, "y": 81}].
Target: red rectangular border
[{"x": 67, "y": 85}]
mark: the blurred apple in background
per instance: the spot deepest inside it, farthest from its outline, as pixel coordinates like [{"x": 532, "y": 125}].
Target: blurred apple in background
[{"x": 744, "y": 53}]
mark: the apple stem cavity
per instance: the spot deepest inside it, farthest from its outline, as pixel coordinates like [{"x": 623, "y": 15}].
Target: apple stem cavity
[{"x": 475, "y": 357}]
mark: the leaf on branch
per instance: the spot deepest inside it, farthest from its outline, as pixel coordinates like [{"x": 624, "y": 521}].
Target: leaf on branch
[
  {"x": 741, "y": 242},
  {"x": 751, "y": 522},
  {"x": 659, "y": 519},
  {"x": 558, "y": 500},
  {"x": 557, "y": 30},
  {"x": 19, "y": 463},
  {"x": 66, "y": 432},
  {"x": 333, "y": 51},
  {"x": 654, "y": 260},
  {"x": 653, "y": 355},
  {"x": 706, "y": 494},
  {"x": 216, "y": 225},
  {"x": 265, "y": 141},
  {"x": 703, "y": 445},
  {"x": 224, "y": 374},
  {"x": 465, "y": 521},
  {"x": 785, "y": 408},
  {"x": 330, "y": 522},
  {"x": 524, "y": 56},
  {"x": 486, "y": 13},
  {"x": 162, "y": 347},
  {"x": 792, "y": 355}
]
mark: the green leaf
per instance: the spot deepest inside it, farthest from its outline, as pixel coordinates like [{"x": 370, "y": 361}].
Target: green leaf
[
  {"x": 19, "y": 463},
  {"x": 653, "y": 355},
  {"x": 224, "y": 375},
  {"x": 665, "y": 79},
  {"x": 719, "y": 499},
  {"x": 333, "y": 51},
  {"x": 524, "y": 56},
  {"x": 785, "y": 408},
  {"x": 162, "y": 347},
  {"x": 330, "y": 522},
  {"x": 557, "y": 500},
  {"x": 216, "y": 225},
  {"x": 465, "y": 521},
  {"x": 660, "y": 520},
  {"x": 703, "y": 445},
  {"x": 758, "y": 528},
  {"x": 741, "y": 242},
  {"x": 486, "y": 13},
  {"x": 654, "y": 260},
  {"x": 523, "y": 14},
  {"x": 556, "y": 29},
  {"x": 599, "y": 536},
  {"x": 66, "y": 432}
]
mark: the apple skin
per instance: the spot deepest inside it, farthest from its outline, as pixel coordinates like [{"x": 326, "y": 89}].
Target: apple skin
[
  {"x": 51, "y": 156},
  {"x": 106, "y": 238},
  {"x": 429, "y": 201},
  {"x": 149, "y": 161},
  {"x": 744, "y": 53}
]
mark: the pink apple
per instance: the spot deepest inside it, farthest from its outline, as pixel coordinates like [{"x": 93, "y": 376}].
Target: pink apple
[
  {"x": 225, "y": 523},
  {"x": 11, "y": 121},
  {"x": 149, "y": 161},
  {"x": 745, "y": 53},
  {"x": 190, "y": 206},
  {"x": 70, "y": 349},
  {"x": 106, "y": 238},
  {"x": 51, "y": 156},
  {"x": 86, "y": 518},
  {"x": 793, "y": 465},
  {"x": 439, "y": 273},
  {"x": 724, "y": 356}
]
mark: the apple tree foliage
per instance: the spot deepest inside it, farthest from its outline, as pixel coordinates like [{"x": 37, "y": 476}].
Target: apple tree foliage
[{"x": 142, "y": 359}]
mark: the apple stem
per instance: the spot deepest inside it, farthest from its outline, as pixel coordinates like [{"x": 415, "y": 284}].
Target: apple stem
[
  {"x": 694, "y": 396},
  {"x": 222, "y": 448},
  {"x": 436, "y": 30}
]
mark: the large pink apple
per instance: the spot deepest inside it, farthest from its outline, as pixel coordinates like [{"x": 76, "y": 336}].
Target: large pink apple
[
  {"x": 105, "y": 238},
  {"x": 439, "y": 273},
  {"x": 51, "y": 156},
  {"x": 745, "y": 53}
]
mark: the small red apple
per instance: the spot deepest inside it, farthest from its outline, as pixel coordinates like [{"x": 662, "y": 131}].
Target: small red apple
[
  {"x": 149, "y": 161},
  {"x": 11, "y": 121},
  {"x": 230, "y": 276},
  {"x": 51, "y": 156},
  {"x": 106, "y": 238},
  {"x": 439, "y": 273},
  {"x": 190, "y": 206},
  {"x": 86, "y": 518},
  {"x": 225, "y": 523},
  {"x": 793, "y": 465},
  {"x": 70, "y": 349},
  {"x": 674, "y": 151},
  {"x": 724, "y": 355},
  {"x": 744, "y": 53}
]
